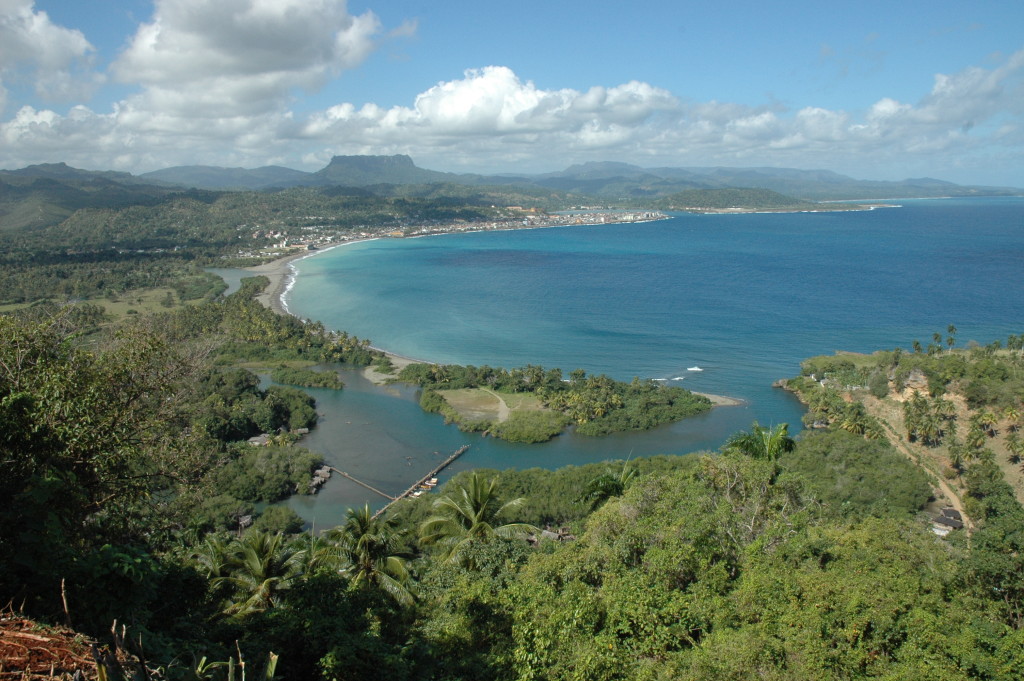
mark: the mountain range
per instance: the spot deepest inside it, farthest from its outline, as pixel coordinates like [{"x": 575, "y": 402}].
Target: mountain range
[
  {"x": 605, "y": 180},
  {"x": 48, "y": 193}
]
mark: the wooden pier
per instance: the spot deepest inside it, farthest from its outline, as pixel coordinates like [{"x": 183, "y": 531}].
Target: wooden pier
[
  {"x": 360, "y": 482},
  {"x": 433, "y": 472}
]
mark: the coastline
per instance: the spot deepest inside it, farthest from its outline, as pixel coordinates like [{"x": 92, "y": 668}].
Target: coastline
[{"x": 281, "y": 273}]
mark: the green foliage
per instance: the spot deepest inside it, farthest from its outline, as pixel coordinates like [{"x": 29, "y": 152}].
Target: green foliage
[
  {"x": 85, "y": 438},
  {"x": 307, "y": 378},
  {"x": 278, "y": 520},
  {"x": 267, "y": 473},
  {"x": 762, "y": 442},
  {"x": 468, "y": 514},
  {"x": 233, "y": 407},
  {"x": 597, "y": 405},
  {"x": 530, "y": 426},
  {"x": 369, "y": 550},
  {"x": 857, "y": 477}
]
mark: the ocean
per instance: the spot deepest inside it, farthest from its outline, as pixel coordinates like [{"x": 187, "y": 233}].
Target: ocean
[{"x": 744, "y": 298}]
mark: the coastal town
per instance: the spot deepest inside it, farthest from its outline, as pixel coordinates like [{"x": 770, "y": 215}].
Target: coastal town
[{"x": 323, "y": 234}]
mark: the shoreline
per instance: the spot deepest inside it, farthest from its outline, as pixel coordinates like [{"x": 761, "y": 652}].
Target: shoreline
[{"x": 281, "y": 273}]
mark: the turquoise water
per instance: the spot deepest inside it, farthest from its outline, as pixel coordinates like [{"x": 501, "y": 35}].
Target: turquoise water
[{"x": 744, "y": 297}]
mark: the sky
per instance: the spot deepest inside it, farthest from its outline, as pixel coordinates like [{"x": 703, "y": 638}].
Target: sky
[{"x": 875, "y": 90}]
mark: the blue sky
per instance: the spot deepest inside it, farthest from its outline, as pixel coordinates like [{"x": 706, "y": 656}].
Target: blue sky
[{"x": 874, "y": 90}]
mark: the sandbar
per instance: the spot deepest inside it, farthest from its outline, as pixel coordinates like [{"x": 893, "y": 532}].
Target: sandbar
[{"x": 279, "y": 272}]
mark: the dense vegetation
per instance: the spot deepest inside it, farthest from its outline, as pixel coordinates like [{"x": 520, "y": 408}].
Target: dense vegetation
[
  {"x": 768, "y": 559},
  {"x": 597, "y": 405},
  {"x": 307, "y": 378}
]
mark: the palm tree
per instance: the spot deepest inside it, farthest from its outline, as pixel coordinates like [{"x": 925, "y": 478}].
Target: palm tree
[
  {"x": 469, "y": 514},
  {"x": 975, "y": 437},
  {"x": 761, "y": 442},
  {"x": 315, "y": 554},
  {"x": 607, "y": 485},
  {"x": 260, "y": 567},
  {"x": 369, "y": 548},
  {"x": 1012, "y": 414},
  {"x": 987, "y": 420},
  {"x": 1015, "y": 446},
  {"x": 213, "y": 556}
]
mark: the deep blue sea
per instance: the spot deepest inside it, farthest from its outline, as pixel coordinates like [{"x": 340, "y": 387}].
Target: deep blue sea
[{"x": 743, "y": 297}]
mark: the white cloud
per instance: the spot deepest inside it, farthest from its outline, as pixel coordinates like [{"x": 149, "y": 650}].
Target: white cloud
[
  {"x": 216, "y": 59},
  {"x": 54, "y": 59},
  {"x": 217, "y": 80}
]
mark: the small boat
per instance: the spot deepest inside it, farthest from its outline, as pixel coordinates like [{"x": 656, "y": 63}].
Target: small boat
[
  {"x": 432, "y": 482},
  {"x": 694, "y": 369},
  {"x": 417, "y": 493}
]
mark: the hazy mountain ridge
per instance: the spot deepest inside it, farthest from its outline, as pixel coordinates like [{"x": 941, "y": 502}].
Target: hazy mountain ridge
[
  {"x": 47, "y": 193},
  {"x": 606, "y": 179}
]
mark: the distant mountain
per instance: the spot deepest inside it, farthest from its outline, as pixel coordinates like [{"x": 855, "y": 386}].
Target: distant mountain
[
  {"x": 44, "y": 195},
  {"x": 360, "y": 171},
  {"x": 63, "y": 172},
  {"x": 217, "y": 178},
  {"x": 607, "y": 180},
  {"x": 822, "y": 185},
  {"x": 732, "y": 198},
  {"x": 367, "y": 171}
]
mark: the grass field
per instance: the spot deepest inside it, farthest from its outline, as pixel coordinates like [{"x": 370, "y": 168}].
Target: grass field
[{"x": 476, "y": 404}]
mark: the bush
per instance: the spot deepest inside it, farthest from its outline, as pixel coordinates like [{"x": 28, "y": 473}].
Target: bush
[
  {"x": 531, "y": 426},
  {"x": 278, "y": 519},
  {"x": 858, "y": 477}
]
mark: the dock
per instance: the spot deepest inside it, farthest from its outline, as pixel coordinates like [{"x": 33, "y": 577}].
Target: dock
[
  {"x": 360, "y": 482},
  {"x": 433, "y": 473}
]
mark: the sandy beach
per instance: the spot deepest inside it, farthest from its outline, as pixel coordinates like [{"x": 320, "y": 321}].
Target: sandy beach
[{"x": 278, "y": 272}]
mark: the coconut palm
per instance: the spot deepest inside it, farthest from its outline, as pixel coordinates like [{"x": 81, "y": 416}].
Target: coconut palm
[
  {"x": 987, "y": 420},
  {"x": 213, "y": 556},
  {"x": 260, "y": 567},
  {"x": 1015, "y": 446},
  {"x": 1012, "y": 414},
  {"x": 315, "y": 554},
  {"x": 761, "y": 442},
  {"x": 607, "y": 485},
  {"x": 369, "y": 548},
  {"x": 468, "y": 514}
]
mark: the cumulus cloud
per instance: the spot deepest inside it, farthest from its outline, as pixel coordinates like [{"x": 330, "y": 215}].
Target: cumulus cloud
[
  {"x": 228, "y": 58},
  {"x": 54, "y": 59},
  {"x": 217, "y": 81},
  {"x": 491, "y": 112}
]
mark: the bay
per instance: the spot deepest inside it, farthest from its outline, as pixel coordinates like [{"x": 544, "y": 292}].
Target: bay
[{"x": 743, "y": 297}]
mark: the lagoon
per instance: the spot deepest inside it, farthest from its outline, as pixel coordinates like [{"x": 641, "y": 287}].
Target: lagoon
[{"x": 744, "y": 297}]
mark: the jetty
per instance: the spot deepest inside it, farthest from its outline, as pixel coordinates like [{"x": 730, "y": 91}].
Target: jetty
[
  {"x": 360, "y": 482},
  {"x": 419, "y": 483}
]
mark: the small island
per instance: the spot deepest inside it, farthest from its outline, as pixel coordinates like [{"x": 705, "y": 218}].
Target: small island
[{"x": 532, "y": 404}]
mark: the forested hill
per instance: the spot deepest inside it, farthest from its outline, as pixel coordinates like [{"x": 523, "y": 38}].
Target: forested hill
[{"x": 733, "y": 198}]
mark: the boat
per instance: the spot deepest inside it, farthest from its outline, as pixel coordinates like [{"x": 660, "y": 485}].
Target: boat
[{"x": 694, "y": 369}]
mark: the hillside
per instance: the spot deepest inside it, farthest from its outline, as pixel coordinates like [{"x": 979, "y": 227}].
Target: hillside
[{"x": 607, "y": 181}]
